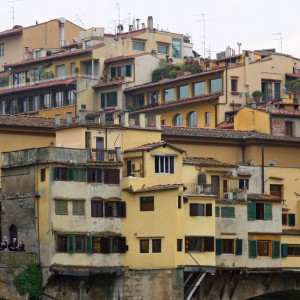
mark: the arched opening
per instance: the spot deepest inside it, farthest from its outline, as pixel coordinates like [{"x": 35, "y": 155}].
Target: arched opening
[
  {"x": 192, "y": 119},
  {"x": 13, "y": 232},
  {"x": 177, "y": 120}
]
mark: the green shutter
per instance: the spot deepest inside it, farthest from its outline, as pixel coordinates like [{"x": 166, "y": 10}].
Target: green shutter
[
  {"x": 284, "y": 250},
  {"x": 103, "y": 96},
  {"x": 231, "y": 212},
  {"x": 252, "y": 248},
  {"x": 218, "y": 246},
  {"x": 82, "y": 175},
  {"x": 275, "y": 249},
  {"x": 128, "y": 70},
  {"x": 113, "y": 72},
  {"x": 217, "y": 211},
  {"x": 114, "y": 98},
  {"x": 224, "y": 212},
  {"x": 70, "y": 174},
  {"x": 291, "y": 220},
  {"x": 71, "y": 243},
  {"x": 78, "y": 208},
  {"x": 268, "y": 211},
  {"x": 89, "y": 244},
  {"x": 54, "y": 173},
  {"x": 251, "y": 208},
  {"x": 238, "y": 246},
  {"x": 61, "y": 207}
]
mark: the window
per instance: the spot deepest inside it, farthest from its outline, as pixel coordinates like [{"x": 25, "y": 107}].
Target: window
[
  {"x": 47, "y": 101},
  {"x": 156, "y": 245},
  {"x": 153, "y": 97},
  {"x": 115, "y": 209},
  {"x": 97, "y": 208},
  {"x": 244, "y": 184},
  {"x": 147, "y": 203},
  {"x": 71, "y": 97},
  {"x": 227, "y": 212},
  {"x": 288, "y": 219},
  {"x": 169, "y": 95},
  {"x": 216, "y": 85},
  {"x": 200, "y": 209},
  {"x": 72, "y": 68},
  {"x": 144, "y": 246},
  {"x": 61, "y": 207},
  {"x": 289, "y": 128},
  {"x": 293, "y": 250},
  {"x": 111, "y": 176},
  {"x": 176, "y": 48},
  {"x": 192, "y": 119},
  {"x": 229, "y": 246},
  {"x": 60, "y": 174},
  {"x": 199, "y": 244},
  {"x": 61, "y": 243},
  {"x": 162, "y": 49},
  {"x": 139, "y": 100},
  {"x": 120, "y": 71},
  {"x": 183, "y": 91},
  {"x": 43, "y": 174},
  {"x": 138, "y": 46},
  {"x": 179, "y": 245},
  {"x": 207, "y": 118},
  {"x": 264, "y": 248},
  {"x": 59, "y": 98},
  {"x": 259, "y": 211},
  {"x": 164, "y": 164},
  {"x": 177, "y": 120},
  {"x": 17, "y": 79},
  {"x": 1, "y": 49},
  {"x": 234, "y": 85},
  {"x": 79, "y": 244},
  {"x": 217, "y": 211},
  {"x": 36, "y": 103},
  {"x": 276, "y": 190},
  {"x": 95, "y": 175},
  {"x": 77, "y": 174},
  {"x": 78, "y": 207},
  {"x": 179, "y": 202},
  {"x": 109, "y": 99},
  {"x": 60, "y": 71},
  {"x": 199, "y": 88}
]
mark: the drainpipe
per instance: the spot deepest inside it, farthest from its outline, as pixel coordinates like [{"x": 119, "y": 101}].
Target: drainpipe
[
  {"x": 243, "y": 149},
  {"x": 262, "y": 169}
]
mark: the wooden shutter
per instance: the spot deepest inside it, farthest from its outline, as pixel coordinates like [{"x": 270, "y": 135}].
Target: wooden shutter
[
  {"x": 224, "y": 212},
  {"x": 82, "y": 174},
  {"x": 251, "y": 210},
  {"x": 291, "y": 219},
  {"x": 103, "y": 98},
  {"x": 208, "y": 208},
  {"x": 268, "y": 211},
  {"x": 238, "y": 246},
  {"x": 275, "y": 249},
  {"x": 89, "y": 175},
  {"x": 71, "y": 243},
  {"x": 217, "y": 211},
  {"x": 105, "y": 245},
  {"x": 209, "y": 244},
  {"x": 106, "y": 176},
  {"x": 113, "y": 71},
  {"x": 252, "y": 248},
  {"x": 284, "y": 250},
  {"x": 122, "y": 244},
  {"x": 231, "y": 212},
  {"x": 122, "y": 209},
  {"x": 70, "y": 175},
  {"x": 218, "y": 246},
  {"x": 114, "y": 176},
  {"x": 114, "y": 96},
  {"x": 89, "y": 244},
  {"x": 128, "y": 70},
  {"x": 193, "y": 209}
]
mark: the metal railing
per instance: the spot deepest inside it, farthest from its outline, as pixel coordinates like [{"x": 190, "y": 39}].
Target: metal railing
[{"x": 106, "y": 155}]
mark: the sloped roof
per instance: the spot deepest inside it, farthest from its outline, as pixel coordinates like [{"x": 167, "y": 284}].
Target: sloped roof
[
  {"x": 26, "y": 121},
  {"x": 11, "y": 32},
  {"x": 108, "y": 84},
  {"x": 129, "y": 34},
  {"x": 206, "y": 162},
  {"x": 151, "y": 146},
  {"x": 123, "y": 57},
  {"x": 155, "y": 188},
  {"x": 286, "y": 112},
  {"x": 263, "y": 197}
]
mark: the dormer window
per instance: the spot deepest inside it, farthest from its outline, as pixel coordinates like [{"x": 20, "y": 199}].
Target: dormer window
[{"x": 164, "y": 164}]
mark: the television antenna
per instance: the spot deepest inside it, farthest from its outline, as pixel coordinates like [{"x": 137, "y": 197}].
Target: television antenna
[
  {"x": 13, "y": 10},
  {"x": 203, "y": 20},
  {"x": 279, "y": 38}
]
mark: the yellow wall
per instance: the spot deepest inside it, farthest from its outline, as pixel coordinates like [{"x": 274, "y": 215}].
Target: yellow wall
[{"x": 290, "y": 261}]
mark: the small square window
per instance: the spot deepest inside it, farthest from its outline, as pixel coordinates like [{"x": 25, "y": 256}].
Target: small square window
[
  {"x": 147, "y": 203},
  {"x": 144, "y": 246},
  {"x": 156, "y": 245}
]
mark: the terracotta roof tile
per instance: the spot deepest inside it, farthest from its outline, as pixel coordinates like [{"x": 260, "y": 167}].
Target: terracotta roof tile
[
  {"x": 291, "y": 231},
  {"x": 151, "y": 146},
  {"x": 263, "y": 197},
  {"x": 123, "y": 57},
  {"x": 286, "y": 112},
  {"x": 11, "y": 32},
  {"x": 36, "y": 86},
  {"x": 205, "y": 161},
  {"x": 26, "y": 121},
  {"x": 155, "y": 188}
]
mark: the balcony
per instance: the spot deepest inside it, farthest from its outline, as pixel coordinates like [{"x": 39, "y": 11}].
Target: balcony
[{"x": 105, "y": 155}]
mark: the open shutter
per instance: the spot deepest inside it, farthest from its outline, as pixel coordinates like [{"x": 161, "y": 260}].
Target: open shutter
[
  {"x": 218, "y": 246},
  {"x": 209, "y": 244},
  {"x": 106, "y": 176},
  {"x": 291, "y": 219},
  {"x": 275, "y": 249},
  {"x": 113, "y": 72},
  {"x": 89, "y": 244},
  {"x": 193, "y": 209},
  {"x": 122, "y": 244},
  {"x": 208, "y": 212},
  {"x": 122, "y": 209},
  {"x": 251, "y": 209},
  {"x": 128, "y": 70},
  {"x": 268, "y": 211},
  {"x": 284, "y": 250},
  {"x": 114, "y": 99},
  {"x": 71, "y": 243},
  {"x": 238, "y": 246},
  {"x": 54, "y": 173},
  {"x": 103, "y": 96},
  {"x": 252, "y": 248},
  {"x": 105, "y": 245}
]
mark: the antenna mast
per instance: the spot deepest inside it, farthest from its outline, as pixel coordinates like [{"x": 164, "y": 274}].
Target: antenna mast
[
  {"x": 203, "y": 20},
  {"x": 13, "y": 10}
]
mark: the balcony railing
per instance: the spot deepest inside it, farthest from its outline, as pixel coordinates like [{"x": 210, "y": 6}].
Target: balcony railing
[{"x": 105, "y": 155}]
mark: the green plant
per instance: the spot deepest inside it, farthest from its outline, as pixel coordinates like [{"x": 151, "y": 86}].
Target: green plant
[
  {"x": 30, "y": 282},
  {"x": 256, "y": 94}
]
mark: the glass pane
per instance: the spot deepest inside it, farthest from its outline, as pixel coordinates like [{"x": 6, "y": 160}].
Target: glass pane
[
  {"x": 169, "y": 95},
  {"x": 216, "y": 85},
  {"x": 184, "y": 91}
]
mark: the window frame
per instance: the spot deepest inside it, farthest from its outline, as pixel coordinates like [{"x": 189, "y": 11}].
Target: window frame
[
  {"x": 164, "y": 164},
  {"x": 138, "y": 46},
  {"x": 61, "y": 207},
  {"x": 163, "y": 46},
  {"x": 78, "y": 207},
  {"x": 147, "y": 203}
]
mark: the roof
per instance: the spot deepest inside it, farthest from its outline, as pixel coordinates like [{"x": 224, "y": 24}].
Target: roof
[
  {"x": 205, "y": 162},
  {"x": 263, "y": 197},
  {"x": 108, "y": 84},
  {"x": 286, "y": 112},
  {"x": 151, "y": 146},
  {"x": 11, "y": 32},
  {"x": 167, "y": 81},
  {"x": 155, "y": 188},
  {"x": 55, "y": 56},
  {"x": 167, "y": 105},
  {"x": 226, "y": 125},
  {"x": 228, "y": 57},
  {"x": 39, "y": 85},
  {"x": 123, "y": 57},
  {"x": 129, "y": 34},
  {"x": 237, "y": 135},
  {"x": 26, "y": 121},
  {"x": 291, "y": 231}
]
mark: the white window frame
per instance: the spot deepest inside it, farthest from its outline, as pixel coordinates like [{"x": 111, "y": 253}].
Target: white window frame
[
  {"x": 138, "y": 43},
  {"x": 164, "y": 164}
]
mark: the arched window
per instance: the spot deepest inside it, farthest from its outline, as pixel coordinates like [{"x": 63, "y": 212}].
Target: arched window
[
  {"x": 192, "y": 119},
  {"x": 177, "y": 121},
  {"x": 13, "y": 232}
]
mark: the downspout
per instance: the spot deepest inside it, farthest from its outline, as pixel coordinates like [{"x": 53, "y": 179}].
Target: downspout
[
  {"x": 37, "y": 212},
  {"x": 243, "y": 149},
  {"x": 262, "y": 169}
]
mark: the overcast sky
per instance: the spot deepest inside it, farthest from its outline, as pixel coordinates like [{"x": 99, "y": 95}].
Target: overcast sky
[{"x": 257, "y": 24}]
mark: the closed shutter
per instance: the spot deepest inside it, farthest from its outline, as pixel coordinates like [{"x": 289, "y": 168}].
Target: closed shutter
[
  {"x": 113, "y": 72},
  {"x": 89, "y": 244},
  {"x": 89, "y": 175},
  {"x": 238, "y": 246},
  {"x": 103, "y": 98},
  {"x": 71, "y": 243},
  {"x": 217, "y": 211},
  {"x": 54, "y": 173},
  {"x": 82, "y": 174},
  {"x": 122, "y": 244},
  {"x": 193, "y": 209},
  {"x": 252, "y": 248},
  {"x": 114, "y": 176},
  {"x": 268, "y": 211},
  {"x": 128, "y": 70},
  {"x": 275, "y": 249},
  {"x": 291, "y": 219},
  {"x": 105, "y": 245},
  {"x": 209, "y": 244},
  {"x": 251, "y": 210},
  {"x": 208, "y": 210},
  {"x": 122, "y": 209},
  {"x": 114, "y": 96},
  {"x": 231, "y": 212},
  {"x": 106, "y": 209},
  {"x": 218, "y": 246},
  {"x": 224, "y": 212},
  {"x": 70, "y": 174},
  {"x": 106, "y": 176},
  {"x": 284, "y": 250}
]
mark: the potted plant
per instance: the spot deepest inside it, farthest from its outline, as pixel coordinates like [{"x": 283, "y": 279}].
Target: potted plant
[{"x": 257, "y": 95}]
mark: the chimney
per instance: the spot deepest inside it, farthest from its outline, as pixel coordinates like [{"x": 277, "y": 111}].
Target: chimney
[
  {"x": 69, "y": 118},
  {"x": 142, "y": 118},
  {"x": 137, "y": 24},
  {"x": 130, "y": 28},
  {"x": 143, "y": 25},
  {"x": 61, "y": 22},
  {"x": 82, "y": 116},
  {"x": 158, "y": 121},
  {"x": 57, "y": 119},
  {"x": 150, "y": 23}
]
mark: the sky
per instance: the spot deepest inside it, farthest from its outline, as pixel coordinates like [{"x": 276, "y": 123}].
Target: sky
[{"x": 215, "y": 24}]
